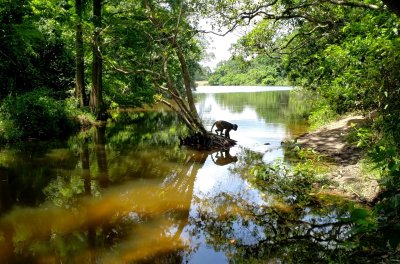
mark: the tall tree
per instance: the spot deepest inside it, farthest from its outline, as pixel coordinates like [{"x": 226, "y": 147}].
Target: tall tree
[
  {"x": 96, "y": 95},
  {"x": 80, "y": 92}
]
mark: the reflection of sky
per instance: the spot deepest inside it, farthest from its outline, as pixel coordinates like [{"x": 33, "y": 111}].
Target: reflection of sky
[
  {"x": 253, "y": 132},
  {"x": 213, "y": 180}
]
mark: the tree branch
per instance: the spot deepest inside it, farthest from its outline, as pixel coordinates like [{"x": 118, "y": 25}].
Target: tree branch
[
  {"x": 183, "y": 117},
  {"x": 352, "y": 4},
  {"x": 301, "y": 34},
  {"x": 262, "y": 11}
]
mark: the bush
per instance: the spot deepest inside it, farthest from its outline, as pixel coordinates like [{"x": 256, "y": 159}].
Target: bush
[
  {"x": 321, "y": 115},
  {"x": 33, "y": 115}
]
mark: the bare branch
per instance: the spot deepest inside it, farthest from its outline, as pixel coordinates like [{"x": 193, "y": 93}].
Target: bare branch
[
  {"x": 126, "y": 71},
  {"x": 301, "y": 34}
]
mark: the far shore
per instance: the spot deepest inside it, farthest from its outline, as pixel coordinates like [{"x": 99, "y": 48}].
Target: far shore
[{"x": 201, "y": 83}]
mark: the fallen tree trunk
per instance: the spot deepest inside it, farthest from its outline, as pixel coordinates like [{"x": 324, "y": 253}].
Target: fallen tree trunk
[{"x": 208, "y": 141}]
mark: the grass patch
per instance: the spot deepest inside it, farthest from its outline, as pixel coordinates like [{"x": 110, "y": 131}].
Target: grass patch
[{"x": 321, "y": 116}]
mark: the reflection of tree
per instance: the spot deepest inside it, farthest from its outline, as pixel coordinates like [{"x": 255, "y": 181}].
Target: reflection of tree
[
  {"x": 274, "y": 107},
  {"x": 182, "y": 181},
  {"x": 25, "y": 169},
  {"x": 5, "y": 195},
  {"x": 5, "y": 205},
  {"x": 271, "y": 102},
  {"x": 289, "y": 225},
  {"x": 86, "y": 167},
  {"x": 246, "y": 160},
  {"x": 30, "y": 166},
  {"x": 158, "y": 244},
  {"x": 248, "y": 231},
  {"x": 87, "y": 183},
  {"x": 101, "y": 156},
  {"x": 143, "y": 130},
  {"x": 140, "y": 221}
]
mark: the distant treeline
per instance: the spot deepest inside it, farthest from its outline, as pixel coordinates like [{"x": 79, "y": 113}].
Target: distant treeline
[{"x": 260, "y": 70}]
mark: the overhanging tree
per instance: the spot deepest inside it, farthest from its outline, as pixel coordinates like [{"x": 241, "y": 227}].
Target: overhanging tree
[
  {"x": 156, "y": 42},
  {"x": 344, "y": 50}
]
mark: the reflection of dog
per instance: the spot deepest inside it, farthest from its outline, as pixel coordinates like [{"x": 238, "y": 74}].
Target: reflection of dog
[{"x": 223, "y": 158}]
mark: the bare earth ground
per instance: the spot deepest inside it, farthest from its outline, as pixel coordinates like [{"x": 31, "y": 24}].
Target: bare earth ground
[{"x": 344, "y": 160}]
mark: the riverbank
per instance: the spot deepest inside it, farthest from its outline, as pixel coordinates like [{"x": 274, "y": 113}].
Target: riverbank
[{"x": 344, "y": 160}]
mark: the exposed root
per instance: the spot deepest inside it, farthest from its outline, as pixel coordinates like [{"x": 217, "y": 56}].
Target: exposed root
[{"x": 208, "y": 142}]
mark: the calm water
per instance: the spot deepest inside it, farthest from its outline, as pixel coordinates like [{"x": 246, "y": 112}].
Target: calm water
[{"x": 128, "y": 193}]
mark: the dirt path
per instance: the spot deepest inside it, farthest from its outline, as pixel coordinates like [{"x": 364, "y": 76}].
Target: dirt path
[{"x": 344, "y": 160}]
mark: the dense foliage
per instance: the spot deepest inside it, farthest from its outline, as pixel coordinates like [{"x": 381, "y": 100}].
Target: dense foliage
[
  {"x": 35, "y": 114},
  {"x": 32, "y": 54},
  {"x": 124, "y": 54},
  {"x": 260, "y": 70}
]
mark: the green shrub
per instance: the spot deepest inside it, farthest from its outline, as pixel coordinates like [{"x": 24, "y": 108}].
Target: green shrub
[
  {"x": 33, "y": 115},
  {"x": 322, "y": 115}
]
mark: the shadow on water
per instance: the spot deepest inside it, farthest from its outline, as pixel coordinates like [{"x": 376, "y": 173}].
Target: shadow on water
[{"x": 127, "y": 193}]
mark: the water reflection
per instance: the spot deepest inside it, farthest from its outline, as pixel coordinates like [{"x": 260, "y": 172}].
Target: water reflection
[
  {"x": 223, "y": 158},
  {"x": 72, "y": 225},
  {"x": 265, "y": 119},
  {"x": 274, "y": 233},
  {"x": 135, "y": 219},
  {"x": 128, "y": 193}
]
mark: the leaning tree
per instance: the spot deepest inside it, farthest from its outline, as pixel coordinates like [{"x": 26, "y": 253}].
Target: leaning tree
[{"x": 155, "y": 44}]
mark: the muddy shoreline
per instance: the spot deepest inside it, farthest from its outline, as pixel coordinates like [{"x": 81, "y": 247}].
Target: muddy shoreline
[{"x": 343, "y": 159}]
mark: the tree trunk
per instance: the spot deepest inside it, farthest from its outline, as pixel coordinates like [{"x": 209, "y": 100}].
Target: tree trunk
[
  {"x": 189, "y": 94},
  {"x": 96, "y": 96},
  {"x": 79, "y": 63}
]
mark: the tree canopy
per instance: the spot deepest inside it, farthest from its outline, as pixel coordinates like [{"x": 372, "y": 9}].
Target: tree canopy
[
  {"x": 346, "y": 51},
  {"x": 139, "y": 52},
  {"x": 133, "y": 52}
]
